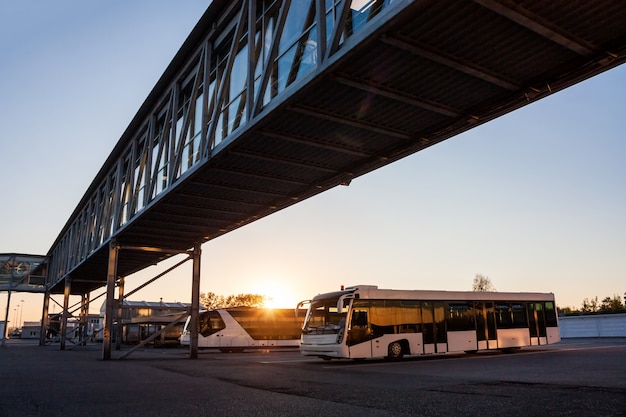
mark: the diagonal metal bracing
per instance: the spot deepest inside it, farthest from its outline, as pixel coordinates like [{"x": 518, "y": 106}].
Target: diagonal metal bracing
[
  {"x": 250, "y": 174},
  {"x": 283, "y": 160},
  {"x": 537, "y": 24},
  {"x": 152, "y": 337},
  {"x": 379, "y": 90},
  {"x": 338, "y": 29},
  {"x": 458, "y": 64},
  {"x": 188, "y": 111},
  {"x": 160, "y": 275},
  {"x": 272, "y": 53},
  {"x": 361, "y": 124},
  {"x": 215, "y": 200},
  {"x": 312, "y": 142},
  {"x": 200, "y": 219},
  {"x": 217, "y": 108}
]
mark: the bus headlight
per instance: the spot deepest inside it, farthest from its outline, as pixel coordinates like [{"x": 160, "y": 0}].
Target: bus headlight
[{"x": 339, "y": 337}]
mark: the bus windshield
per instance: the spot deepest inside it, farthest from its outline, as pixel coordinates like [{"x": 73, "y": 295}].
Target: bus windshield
[{"x": 323, "y": 317}]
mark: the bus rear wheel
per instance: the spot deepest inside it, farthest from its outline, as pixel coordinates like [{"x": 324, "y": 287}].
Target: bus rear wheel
[{"x": 395, "y": 351}]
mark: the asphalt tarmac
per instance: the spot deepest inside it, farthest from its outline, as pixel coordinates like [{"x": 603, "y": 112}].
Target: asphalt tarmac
[{"x": 576, "y": 377}]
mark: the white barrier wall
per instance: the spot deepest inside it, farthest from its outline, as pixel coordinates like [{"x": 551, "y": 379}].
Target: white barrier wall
[{"x": 601, "y": 325}]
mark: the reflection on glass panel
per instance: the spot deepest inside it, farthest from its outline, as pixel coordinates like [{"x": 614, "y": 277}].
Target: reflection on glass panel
[
  {"x": 220, "y": 132},
  {"x": 110, "y": 198},
  {"x": 212, "y": 93},
  {"x": 139, "y": 182},
  {"x": 234, "y": 114},
  {"x": 284, "y": 67},
  {"x": 197, "y": 125},
  {"x": 126, "y": 189},
  {"x": 330, "y": 25},
  {"x": 300, "y": 59},
  {"x": 239, "y": 72},
  {"x": 362, "y": 12},
  {"x": 179, "y": 126},
  {"x": 301, "y": 16},
  {"x": 100, "y": 215},
  {"x": 259, "y": 54}
]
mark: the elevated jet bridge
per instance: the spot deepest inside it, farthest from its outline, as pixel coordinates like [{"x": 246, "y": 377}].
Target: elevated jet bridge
[{"x": 270, "y": 102}]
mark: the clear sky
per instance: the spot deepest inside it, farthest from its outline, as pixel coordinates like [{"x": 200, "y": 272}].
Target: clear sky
[{"x": 535, "y": 200}]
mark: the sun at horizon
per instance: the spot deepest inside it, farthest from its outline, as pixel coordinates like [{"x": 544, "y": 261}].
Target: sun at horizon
[{"x": 276, "y": 294}]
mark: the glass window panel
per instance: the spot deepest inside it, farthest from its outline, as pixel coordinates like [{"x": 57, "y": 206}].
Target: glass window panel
[
  {"x": 284, "y": 68},
  {"x": 299, "y": 18},
  {"x": 551, "y": 320},
  {"x": 210, "y": 322},
  {"x": 197, "y": 125},
  {"x": 239, "y": 72},
  {"x": 260, "y": 56},
  {"x": 460, "y": 316},
  {"x": 362, "y": 12},
  {"x": 520, "y": 319}
]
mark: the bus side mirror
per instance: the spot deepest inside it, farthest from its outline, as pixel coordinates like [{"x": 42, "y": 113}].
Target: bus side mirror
[
  {"x": 300, "y": 305},
  {"x": 341, "y": 300}
]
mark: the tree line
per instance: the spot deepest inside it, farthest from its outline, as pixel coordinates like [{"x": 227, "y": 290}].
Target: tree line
[
  {"x": 608, "y": 305},
  {"x": 210, "y": 300}
]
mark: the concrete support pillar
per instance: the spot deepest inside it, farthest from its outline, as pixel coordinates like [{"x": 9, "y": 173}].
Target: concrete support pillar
[
  {"x": 66, "y": 313},
  {"x": 110, "y": 300},
  {"x": 195, "y": 303}
]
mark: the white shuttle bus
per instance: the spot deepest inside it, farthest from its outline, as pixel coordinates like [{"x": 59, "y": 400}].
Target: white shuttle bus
[
  {"x": 366, "y": 322},
  {"x": 240, "y": 328}
]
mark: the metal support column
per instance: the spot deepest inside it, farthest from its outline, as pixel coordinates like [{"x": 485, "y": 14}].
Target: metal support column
[
  {"x": 45, "y": 319},
  {"x": 195, "y": 303},
  {"x": 65, "y": 315},
  {"x": 110, "y": 300},
  {"x": 6, "y": 316},
  {"x": 84, "y": 318},
  {"x": 119, "y": 329}
]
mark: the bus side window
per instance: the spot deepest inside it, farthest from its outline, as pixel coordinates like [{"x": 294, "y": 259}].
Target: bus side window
[
  {"x": 359, "y": 318},
  {"x": 551, "y": 320},
  {"x": 359, "y": 328}
]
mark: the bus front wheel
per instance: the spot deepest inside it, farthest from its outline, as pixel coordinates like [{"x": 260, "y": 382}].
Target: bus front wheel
[{"x": 395, "y": 351}]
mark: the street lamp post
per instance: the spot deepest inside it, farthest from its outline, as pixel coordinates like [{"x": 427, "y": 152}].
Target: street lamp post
[{"x": 19, "y": 320}]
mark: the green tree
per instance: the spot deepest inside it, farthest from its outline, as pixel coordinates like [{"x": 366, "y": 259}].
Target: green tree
[
  {"x": 611, "y": 305},
  {"x": 210, "y": 300},
  {"x": 482, "y": 283},
  {"x": 245, "y": 300},
  {"x": 590, "y": 306}
]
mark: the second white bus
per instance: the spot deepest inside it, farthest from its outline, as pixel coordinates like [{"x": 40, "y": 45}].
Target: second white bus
[
  {"x": 366, "y": 322},
  {"x": 239, "y": 328}
]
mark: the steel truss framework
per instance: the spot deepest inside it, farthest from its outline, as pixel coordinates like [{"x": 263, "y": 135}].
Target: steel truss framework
[
  {"x": 231, "y": 77},
  {"x": 270, "y": 102}
]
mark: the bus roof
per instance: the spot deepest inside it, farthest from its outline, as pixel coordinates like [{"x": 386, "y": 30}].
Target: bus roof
[{"x": 373, "y": 292}]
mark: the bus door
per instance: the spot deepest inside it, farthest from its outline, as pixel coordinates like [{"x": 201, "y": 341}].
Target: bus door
[
  {"x": 428, "y": 327},
  {"x": 360, "y": 334},
  {"x": 537, "y": 324},
  {"x": 441, "y": 335},
  {"x": 486, "y": 326},
  {"x": 434, "y": 327}
]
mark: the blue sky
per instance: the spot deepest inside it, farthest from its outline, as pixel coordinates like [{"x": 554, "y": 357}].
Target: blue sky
[{"x": 535, "y": 200}]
